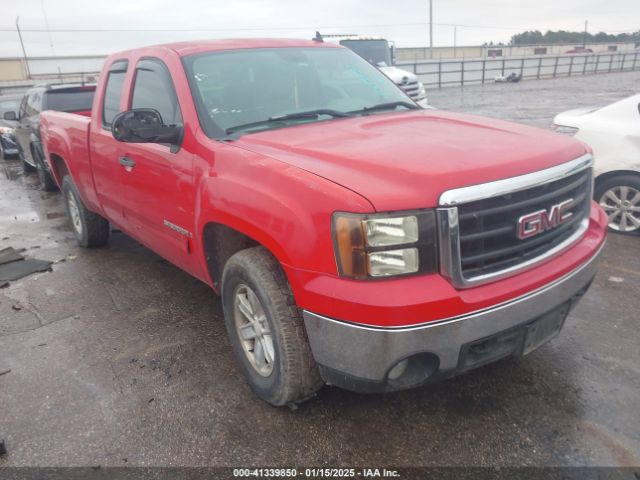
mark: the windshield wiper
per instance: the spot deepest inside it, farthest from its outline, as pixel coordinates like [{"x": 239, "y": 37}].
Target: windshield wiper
[
  {"x": 310, "y": 114},
  {"x": 388, "y": 106}
]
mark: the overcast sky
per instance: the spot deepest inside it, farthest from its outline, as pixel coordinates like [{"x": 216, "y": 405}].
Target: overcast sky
[{"x": 144, "y": 22}]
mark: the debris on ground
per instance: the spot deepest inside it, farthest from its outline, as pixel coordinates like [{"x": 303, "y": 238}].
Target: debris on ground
[
  {"x": 4, "y": 372},
  {"x": 3, "y": 448},
  {"x": 16, "y": 308},
  {"x": 511, "y": 78},
  {"x": 4, "y": 284},
  {"x": 14, "y": 266},
  {"x": 9, "y": 254}
]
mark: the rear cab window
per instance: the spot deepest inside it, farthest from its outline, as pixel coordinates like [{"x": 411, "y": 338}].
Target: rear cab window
[
  {"x": 74, "y": 99},
  {"x": 33, "y": 104}
]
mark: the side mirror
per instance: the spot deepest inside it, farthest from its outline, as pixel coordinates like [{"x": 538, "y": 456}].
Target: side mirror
[
  {"x": 144, "y": 125},
  {"x": 10, "y": 116}
]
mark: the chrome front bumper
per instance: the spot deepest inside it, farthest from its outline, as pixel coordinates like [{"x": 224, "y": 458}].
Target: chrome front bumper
[{"x": 360, "y": 358}]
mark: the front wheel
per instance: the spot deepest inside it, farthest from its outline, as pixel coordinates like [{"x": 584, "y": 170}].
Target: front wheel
[
  {"x": 266, "y": 329},
  {"x": 90, "y": 229},
  {"x": 619, "y": 197}
]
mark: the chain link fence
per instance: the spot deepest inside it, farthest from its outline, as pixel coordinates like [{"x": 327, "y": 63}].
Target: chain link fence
[{"x": 441, "y": 73}]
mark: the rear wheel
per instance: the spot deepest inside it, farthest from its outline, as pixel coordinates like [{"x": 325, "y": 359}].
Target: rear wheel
[
  {"x": 27, "y": 167},
  {"x": 619, "y": 197},
  {"x": 44, "y": 175},
  {"x": 266, "y": 329},
  {"x": 90, "y": 229}
]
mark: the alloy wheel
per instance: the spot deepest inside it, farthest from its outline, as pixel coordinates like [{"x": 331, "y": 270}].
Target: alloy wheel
[
  {"x": 74, "y": 212},
  {"x": 253, "y": 330},
  {"x": 622, "y": 206}
]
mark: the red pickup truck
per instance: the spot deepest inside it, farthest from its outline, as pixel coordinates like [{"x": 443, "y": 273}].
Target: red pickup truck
[{"x": 355, "y": 239}]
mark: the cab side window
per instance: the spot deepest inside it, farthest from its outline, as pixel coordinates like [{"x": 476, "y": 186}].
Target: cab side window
[
  {"x": 113, "y": 92},
  {"x": 153, "y": 88},
  {"x": 23, "y": 108},
  {"x": 33, "y": 104}
]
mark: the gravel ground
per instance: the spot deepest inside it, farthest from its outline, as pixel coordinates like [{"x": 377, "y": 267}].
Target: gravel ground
[{"x": 117, "y": 358}]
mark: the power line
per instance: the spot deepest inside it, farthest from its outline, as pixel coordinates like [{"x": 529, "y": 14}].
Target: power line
[
  {"x": 256, "y": 28},
  {"x": 214, "y": 29}
]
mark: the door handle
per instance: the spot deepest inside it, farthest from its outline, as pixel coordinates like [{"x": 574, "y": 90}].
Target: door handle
[{"x": 127, "y": 162}]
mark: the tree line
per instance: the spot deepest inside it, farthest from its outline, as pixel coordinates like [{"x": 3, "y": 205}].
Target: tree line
[{"x": 535, "y": 37}]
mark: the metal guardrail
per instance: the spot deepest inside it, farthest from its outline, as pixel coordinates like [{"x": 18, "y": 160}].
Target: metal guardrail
[{"x": 440, "y": 73}]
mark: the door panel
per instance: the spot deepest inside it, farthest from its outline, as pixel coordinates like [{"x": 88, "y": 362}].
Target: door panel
[
  {"x": 108, "y": 174},
  {"x": 159, "y": 199},
  {"x": 29, "y": 111},
  {"x": 159, "y": 188},
  {"x": 106, "y": 150}
]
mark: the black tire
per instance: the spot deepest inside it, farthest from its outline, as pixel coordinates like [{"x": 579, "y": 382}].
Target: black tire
[
  {"x": 28, "y": 168},
  {"x": 294, "y": 376},
  {"x": 93, "y": 230},
  {"x": 613, "y": 184},
  {"x": 44, "y": 175}
]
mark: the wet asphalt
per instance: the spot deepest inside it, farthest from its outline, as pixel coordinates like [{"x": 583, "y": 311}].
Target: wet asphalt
[{"x": 117, "y": 358}]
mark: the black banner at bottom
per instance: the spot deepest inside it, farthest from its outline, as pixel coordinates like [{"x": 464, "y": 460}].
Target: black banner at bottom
[{"x": 269, "y": 473}]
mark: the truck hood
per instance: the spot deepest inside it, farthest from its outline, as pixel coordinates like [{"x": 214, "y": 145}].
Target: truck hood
[
  {"x": 405, "y": 160},
  {"x": 397, "y": 75}
]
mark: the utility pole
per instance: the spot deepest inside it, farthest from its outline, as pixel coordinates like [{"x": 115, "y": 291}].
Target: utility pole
[
  {"x": 24, "y": 52},
  {"x": 430, "y": 28},
  {"x": 455, "y": 37},
  {"x": 584, "y": 40}
]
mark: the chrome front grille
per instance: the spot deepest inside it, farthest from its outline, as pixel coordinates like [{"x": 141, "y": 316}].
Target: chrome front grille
[
  {"x": 411, "y": 88},
  {"x": 482, "y": 226}
]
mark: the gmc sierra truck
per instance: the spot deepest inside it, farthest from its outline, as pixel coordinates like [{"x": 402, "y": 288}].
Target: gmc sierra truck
[{"x": 355, "y": 239}]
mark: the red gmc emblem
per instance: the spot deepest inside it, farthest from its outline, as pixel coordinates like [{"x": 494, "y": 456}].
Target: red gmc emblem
[{"x": 532, "y": 224}]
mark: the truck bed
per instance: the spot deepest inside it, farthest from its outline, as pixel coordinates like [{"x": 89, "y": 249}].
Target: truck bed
[{"x": 66, "y": 135}]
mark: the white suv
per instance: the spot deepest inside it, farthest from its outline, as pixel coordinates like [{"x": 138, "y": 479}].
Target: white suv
[{"x": 613, "y": 132}]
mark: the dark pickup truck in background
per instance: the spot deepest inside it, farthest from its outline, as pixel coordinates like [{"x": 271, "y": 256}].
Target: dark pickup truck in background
[{"x": 72, "y": 98}]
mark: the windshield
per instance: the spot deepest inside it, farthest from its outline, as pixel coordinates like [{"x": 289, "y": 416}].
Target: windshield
[
  {"x": 70, "y": 100},
  {"x": 373, "y": 51},
  {"x": 242, "y": 87},
  {"x": 12, "y": 105}
]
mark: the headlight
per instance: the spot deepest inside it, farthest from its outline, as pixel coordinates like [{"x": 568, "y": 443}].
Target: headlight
[
  {"x": 382, "y": 232},
  {"x": 6, "y": 130},
  {"x": 383, "y": 245},
  {"x": 565, "y": 130}
]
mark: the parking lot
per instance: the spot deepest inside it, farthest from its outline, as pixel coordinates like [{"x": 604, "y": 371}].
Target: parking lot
[{"x": 117, "y": 358}]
